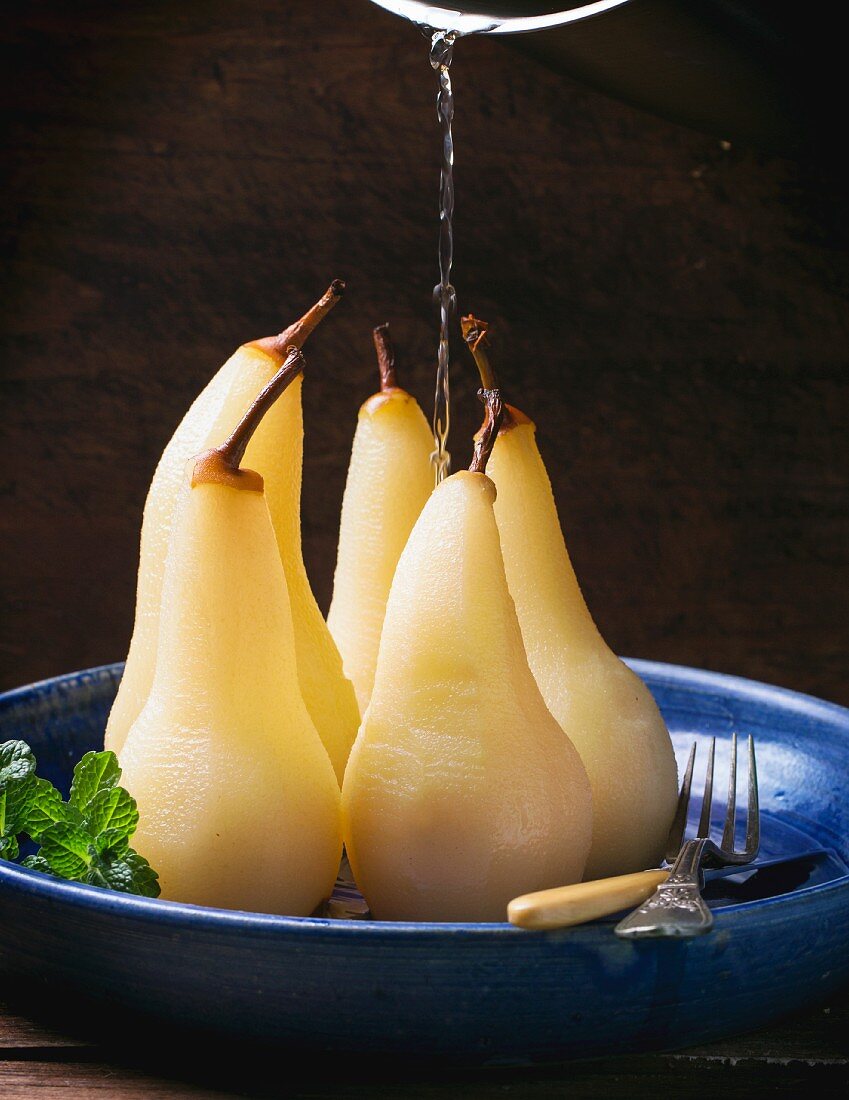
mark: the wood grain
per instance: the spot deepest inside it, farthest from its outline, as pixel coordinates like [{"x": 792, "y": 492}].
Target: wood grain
[
  {"x": 185, "y": 177},
  {"x": 181, "y": 178},
  {"x": 80, "y": 1081},
  {"x": 810, "y": 1049}
]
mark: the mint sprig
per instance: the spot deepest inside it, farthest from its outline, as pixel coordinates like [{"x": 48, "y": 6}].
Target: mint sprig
[
  {"x": 87, "y": 838},
  {"x": 17, "y": 775}
]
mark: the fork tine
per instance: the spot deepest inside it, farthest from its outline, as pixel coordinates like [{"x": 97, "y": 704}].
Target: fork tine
[
  {"x": 728, "y": 831},
  {"x": 753, "y": 815},
  {"x": 707, "y": 799},
  {"x": 679, "y": 824}
]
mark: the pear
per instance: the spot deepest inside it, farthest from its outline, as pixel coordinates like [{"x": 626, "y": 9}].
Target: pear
[
  {"x": 389, "y": 479},
  {"x": 276, "y": 451},
  {"x": 238, "y": 800},
  {"x": 602, "y": 705},
  {"x": 461, "y": 789}
]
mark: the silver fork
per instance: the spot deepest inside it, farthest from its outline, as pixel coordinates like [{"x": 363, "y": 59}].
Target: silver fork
[{"x": 676, "y": 908}]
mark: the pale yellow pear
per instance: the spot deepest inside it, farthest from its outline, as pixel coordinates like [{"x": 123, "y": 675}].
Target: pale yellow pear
[
  {"x": 602, "y": 705},
  {"x": 276, "y": 451},
  {"x": 462, "y": 791},
  {"x": 389, "y": 479},
  {"x": 238, "y": 801}
]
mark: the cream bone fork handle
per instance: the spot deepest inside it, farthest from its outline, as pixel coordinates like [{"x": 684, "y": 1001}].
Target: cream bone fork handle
[{"x": 670, "y": 902}]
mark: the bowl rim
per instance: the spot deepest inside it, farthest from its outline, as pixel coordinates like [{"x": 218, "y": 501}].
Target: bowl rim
[{"x": 200, "y": 917}]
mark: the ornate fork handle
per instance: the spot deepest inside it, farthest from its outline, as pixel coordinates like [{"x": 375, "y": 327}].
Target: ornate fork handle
[{"x": 676, "y": 907}]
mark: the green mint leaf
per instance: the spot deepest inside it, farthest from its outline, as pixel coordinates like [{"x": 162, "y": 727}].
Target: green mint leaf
[
  {"x": 17, "y": 769},
  {"x": 86, "y": 839},
  {"x": 8, "y": 845},
  {"x": 16, "y": 798},
  {"x": 67, "y": 848},
  {"x": 97, "y": 771},
  {"x": 14, "y": 803},
  {"x": 145, "y": 880},
  {"x": 130, "y": 874},
  {"x": 44, "y": 808},
  {"x": 112, "y": 843},
  {"x": 16, "y": 762},
  {"x": 36, "y": 863},
  {"x": 112, "y": 811}
]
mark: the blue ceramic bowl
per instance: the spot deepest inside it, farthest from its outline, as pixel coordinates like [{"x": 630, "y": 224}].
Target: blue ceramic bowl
[{"x": 484, "y": 993}]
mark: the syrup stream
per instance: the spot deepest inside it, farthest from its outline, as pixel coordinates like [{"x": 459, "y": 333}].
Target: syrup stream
[{"x": 441, "y": 52}]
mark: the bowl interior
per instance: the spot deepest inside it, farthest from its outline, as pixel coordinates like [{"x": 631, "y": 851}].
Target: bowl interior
[
  {"x": 481, "y": 993},
  {"x": 802, "y": 747}
]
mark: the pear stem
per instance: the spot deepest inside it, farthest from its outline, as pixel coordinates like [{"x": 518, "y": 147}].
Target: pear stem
[
  {"x": 486, "y": 437},
  {"x": 296, "y": 334},
  {"x": 227, "y": 458},
  {"x": 385, "y": 358},
  {"x": 475, "y": 335},
  {"x": 232, "y": 450}
]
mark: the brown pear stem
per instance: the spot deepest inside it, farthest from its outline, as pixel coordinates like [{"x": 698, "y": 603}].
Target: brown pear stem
[
  {"x": 475, "y": 335},
  {"x": 485, "y": 439},
  {"x": 296, "y": 334},
  {"x": 233, "y": 448},
  {"x": 385, "y": 358},
  {"x": 222, "y": 464}
]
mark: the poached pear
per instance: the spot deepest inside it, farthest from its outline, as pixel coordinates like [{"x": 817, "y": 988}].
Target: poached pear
[
  {"x": 604, "y": 707},
  {"x": 276, "y": 451},
  {"x": 239, "y": 804},
  {"x": 461, "y": 791},
  {"x": 390, "y": 477}
]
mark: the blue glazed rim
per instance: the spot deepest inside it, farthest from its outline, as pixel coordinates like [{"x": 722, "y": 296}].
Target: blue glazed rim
[{"x": 180, "y": 914}]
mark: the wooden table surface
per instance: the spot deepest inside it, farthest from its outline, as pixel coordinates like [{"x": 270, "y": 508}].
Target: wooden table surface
[
  {"x": 810, "y": 1050},
  {"x": 184, "y": 177}
]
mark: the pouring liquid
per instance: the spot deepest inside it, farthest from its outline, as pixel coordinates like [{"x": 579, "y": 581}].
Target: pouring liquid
[
  {"x": 476, "y": 16},
  {"x": 441, "y": 53}
]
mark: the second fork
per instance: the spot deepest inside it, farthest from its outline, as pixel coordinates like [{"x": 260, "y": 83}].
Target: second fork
[
  {"x": 671, "y": 901},
  {"x": 677, "y": 908}
]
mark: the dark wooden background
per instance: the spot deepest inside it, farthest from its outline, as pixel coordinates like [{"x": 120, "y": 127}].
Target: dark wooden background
[{"x": 182, "y": 177}]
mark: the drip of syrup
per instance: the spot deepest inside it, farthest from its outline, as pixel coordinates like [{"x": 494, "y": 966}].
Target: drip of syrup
[{"x": 441, "y": 51}]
